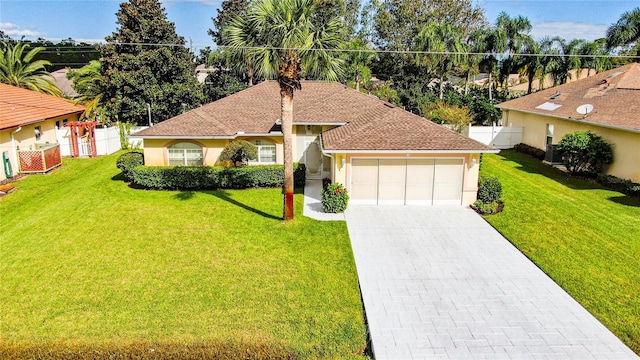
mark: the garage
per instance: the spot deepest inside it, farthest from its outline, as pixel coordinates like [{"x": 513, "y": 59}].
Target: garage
[{"x": 407, "y": 181}]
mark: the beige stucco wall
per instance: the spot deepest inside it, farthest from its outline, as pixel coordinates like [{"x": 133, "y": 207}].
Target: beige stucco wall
[
  {"x": 26, "y": 138},
  {"x": 470, "y": 178},
  {"x": 626, "y": 144},
  {"x": 155, "y": 150}
]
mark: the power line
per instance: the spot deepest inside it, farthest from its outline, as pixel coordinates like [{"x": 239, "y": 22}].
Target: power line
[{"x": 54, "y": 49}]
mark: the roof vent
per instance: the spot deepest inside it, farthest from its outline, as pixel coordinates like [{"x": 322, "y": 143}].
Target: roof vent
[{"x": 557, "y": 95}]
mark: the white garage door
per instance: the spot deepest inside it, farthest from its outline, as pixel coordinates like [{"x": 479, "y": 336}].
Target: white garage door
[{"x": 406, "y": 181}]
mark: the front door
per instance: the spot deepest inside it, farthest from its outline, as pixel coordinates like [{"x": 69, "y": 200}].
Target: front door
[{"x": 313, "y": 159}]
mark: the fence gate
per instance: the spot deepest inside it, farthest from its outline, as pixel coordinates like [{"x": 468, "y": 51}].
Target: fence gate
[{"x": 84, "y": 146}]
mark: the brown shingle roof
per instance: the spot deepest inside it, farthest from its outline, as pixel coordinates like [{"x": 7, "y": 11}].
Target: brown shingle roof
[
  {"x": 369, "y": 123},
  {"x": 614, "y": 94},
  {"x": 21, "y": 107}
]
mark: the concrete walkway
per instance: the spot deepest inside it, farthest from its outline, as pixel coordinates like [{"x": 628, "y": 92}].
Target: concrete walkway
[
  {"x": 313, "y": 202},
  {"x": 440, "y": 283}
]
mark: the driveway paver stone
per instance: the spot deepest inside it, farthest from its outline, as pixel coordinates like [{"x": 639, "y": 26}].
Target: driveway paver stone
[{"x": 440, "y": 283}]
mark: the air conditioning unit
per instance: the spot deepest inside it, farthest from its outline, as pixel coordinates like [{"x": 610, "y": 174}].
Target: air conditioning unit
[{"x": 552, "y": 155}]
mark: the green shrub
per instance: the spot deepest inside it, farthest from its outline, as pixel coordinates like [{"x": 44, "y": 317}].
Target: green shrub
[
  {"x": 238, "y": 153},
  {"x": 585, "y": 152},
  {"x": 207, "y": 177},
  {"x": 624, "y": 186},
  {"x": 334, "y": 198},
  {"x": 530, "y": 150},
  {"x": 493, "y": 207},
  {"x": 129, "y": 161},
  {"x": 489, "y": 189}
]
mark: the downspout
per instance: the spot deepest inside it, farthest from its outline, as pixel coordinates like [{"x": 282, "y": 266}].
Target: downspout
[{"x": 15, "y": 150}]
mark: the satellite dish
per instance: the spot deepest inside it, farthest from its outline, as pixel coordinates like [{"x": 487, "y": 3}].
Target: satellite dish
[{"x": 584, "y": 109}]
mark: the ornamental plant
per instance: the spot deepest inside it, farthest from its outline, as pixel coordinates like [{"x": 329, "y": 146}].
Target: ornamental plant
[
  {"x": 334, "y": 198},
  {"x": 584, "y": 152}
]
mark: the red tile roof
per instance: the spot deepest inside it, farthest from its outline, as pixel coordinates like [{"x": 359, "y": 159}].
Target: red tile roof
[
  {"x": 614, "y": 94},
  {"x": 369, "y": 123},
  {"x": 22, "y": 107}
]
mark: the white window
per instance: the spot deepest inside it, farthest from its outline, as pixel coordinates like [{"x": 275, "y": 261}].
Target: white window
[
  {"x": 185, "y": 154},
  {"x": 266, "y": 152}
]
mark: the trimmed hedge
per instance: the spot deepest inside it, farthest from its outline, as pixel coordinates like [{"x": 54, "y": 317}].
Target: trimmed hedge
[
  {"x": 159, "y": 350},
  {"x": 530, "y": 150},
  {"x": 129, "y": 161},
  {"x": 209, "y": 178},
  {"x": 624, "y": 186}
]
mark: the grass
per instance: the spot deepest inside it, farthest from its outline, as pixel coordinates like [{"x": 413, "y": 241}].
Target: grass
[
  {"x": 584, "y": 237},
  {"x": 87, "y": 259}
]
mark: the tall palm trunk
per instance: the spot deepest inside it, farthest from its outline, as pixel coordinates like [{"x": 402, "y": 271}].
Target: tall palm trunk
[
  {"x": 289, "y": 80},
  {"x": 250, "y": 72},
  {"x": 286, "y": 108},
  {"x": 490, "y": 84},
  {"x": 358, "y": 80},
  {"x": 441, "y": 86}
]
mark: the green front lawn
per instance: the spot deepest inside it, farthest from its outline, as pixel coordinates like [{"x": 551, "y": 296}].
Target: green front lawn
[
  {"x": 586, "y": 238},
  {"x": 88, "y": 260}
]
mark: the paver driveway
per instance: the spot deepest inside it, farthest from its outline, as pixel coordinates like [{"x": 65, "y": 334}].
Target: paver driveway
[{"x": 439, "y": 282}]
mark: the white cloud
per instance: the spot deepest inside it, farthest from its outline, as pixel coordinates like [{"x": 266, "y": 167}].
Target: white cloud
[
  {"x": 568, "y": 30},
  {"x": 15, "y": 31}
]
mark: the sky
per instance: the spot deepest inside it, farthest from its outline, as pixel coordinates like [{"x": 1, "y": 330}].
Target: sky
[{"x": 92, "y": 20}]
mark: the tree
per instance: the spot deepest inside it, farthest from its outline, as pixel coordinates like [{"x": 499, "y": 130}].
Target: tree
[
  {"x": 238, "y": 153},
  {"x": 600, "y": 59},
  {"x": 515, "y": 33},
  {"x": 222, "y": 82},
  {"x": 626, "y": 31},
  {"x": 530, "y": 64},
  {"x": 492, "y": 41},
  {"x": 443, "y": 44},
  {"x": 585, "y": 152},
  {"x": 146, "y": 62},
  {"x": 359, "y": 59},
  {"x": 397, "y": 23},
  {"x": 290, "y": 42},
  {"x": 21, "y": 70},
  {"x": 229, "y": 10},
  {"x": 565, "y": 61},
  {"x": 442, "y": 113},
  {"x": 87, "y": 82}
]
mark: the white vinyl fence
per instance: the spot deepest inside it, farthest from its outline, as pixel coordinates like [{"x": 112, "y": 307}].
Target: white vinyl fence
[
  {"x": 500, "y": 137},
  {"x": 107, "y": 141}
]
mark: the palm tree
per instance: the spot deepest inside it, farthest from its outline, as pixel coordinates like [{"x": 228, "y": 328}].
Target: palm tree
[
  {"x": 444, "y": 47},
  {"x": 530, "y": 64},
  {"x": 564, "y": 62},
  {"x": 548, "y": 57},
  {"x": 492, "y": 41},
  {"x": 282, "y": 38},
  {"x": 86, "y": 81},
  {"x": 515, "y": 32},
  {"x": 359, "y": 60},
  {"x": 474, "y": 48},
  {"x": 20, "y": 70},
  {"x": 594, "y": 56},
  {"x": 625, "y": 31}
]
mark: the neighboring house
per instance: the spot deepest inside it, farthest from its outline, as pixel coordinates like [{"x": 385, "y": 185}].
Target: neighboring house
[
  {"x": 28, "y": 120},
  {"x": 574, "y": 75},
  {"x": 381, "y": 153},
  {"x": 66, "y": 85},
  {"x": 202, "y": 71},
  {"x": 614, "y": 100}
]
